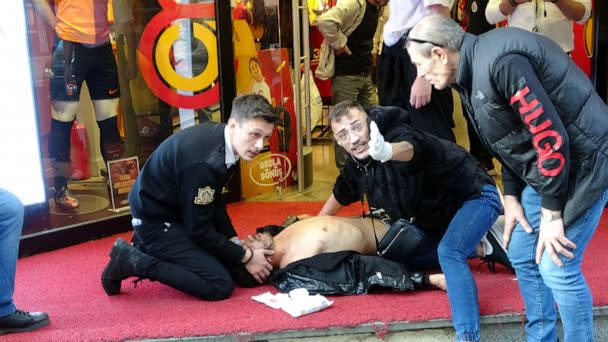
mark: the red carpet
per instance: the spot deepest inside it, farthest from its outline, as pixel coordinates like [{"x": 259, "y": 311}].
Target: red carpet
[{"x": 66, "y": 284}]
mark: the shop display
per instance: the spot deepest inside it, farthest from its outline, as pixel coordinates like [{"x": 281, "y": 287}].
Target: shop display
[
  {"x": 126, "y": 59},
  {"x": 122, "y": 174}
]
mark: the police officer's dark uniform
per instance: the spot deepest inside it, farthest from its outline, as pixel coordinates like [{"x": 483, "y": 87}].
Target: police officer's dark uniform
[{"x": 180, "y": 218}]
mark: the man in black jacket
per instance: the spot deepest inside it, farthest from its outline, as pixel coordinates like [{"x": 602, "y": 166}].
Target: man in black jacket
[
  {"x": 541, "y": 117},
  {"x": 431, "y": 182},
  {"x": 183, "y": 234}
]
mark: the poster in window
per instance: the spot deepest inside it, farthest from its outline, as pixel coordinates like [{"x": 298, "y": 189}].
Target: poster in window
[{"x": 122, "y": 174}]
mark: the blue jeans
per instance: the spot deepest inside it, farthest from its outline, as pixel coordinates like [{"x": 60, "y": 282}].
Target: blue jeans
[
  {"x": 545, "y": 284},
  {"x": 11, "y": 222},
  {"x": 459, "y": 242}
]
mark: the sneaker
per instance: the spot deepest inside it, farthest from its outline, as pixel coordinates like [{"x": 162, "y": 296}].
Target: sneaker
[
  {"x": 22, "y": 321},
  {"x": 64, "y": 199},
  {"x": 123, "y": 260},
  {"x": 494, "y": 252}
]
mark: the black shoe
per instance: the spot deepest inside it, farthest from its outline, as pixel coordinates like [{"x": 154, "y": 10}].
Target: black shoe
[
  {"x": 21, "y": 321},
  {"x": 494, "y": 251},
  {"x": 123, "y": 260}
]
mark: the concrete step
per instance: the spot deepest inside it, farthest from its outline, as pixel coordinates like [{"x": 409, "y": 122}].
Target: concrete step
[{"x": 502, "y": 327}]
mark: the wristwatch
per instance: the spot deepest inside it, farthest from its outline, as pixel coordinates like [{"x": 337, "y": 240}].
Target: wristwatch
[{"x": 549, "y": 216}]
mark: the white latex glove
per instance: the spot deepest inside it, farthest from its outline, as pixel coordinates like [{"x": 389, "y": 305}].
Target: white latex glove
[{"x": 378, "y": 148}]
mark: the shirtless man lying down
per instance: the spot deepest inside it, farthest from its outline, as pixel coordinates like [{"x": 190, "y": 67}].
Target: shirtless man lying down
[{"x": 335, "y": 255}]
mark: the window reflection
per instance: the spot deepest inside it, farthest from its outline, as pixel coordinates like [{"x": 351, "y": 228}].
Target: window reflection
[
  {"x": 94, "y": 96},
  {"x": 262, "y": 38}
]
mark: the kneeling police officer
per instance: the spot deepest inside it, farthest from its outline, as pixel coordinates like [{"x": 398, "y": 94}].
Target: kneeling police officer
[{"x": 183, "y": 236}]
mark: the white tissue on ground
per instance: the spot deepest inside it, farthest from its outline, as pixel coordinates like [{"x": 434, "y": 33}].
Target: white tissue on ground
[{"x": 297, "y": 303}]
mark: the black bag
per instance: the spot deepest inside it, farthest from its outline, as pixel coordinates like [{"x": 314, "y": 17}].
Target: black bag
[
  {"x": 403, "y": 238},
  {"x": 400, "y": 242}
]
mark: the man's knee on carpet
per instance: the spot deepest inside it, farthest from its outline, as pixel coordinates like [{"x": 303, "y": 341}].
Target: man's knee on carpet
[
  {"x": 216, "y": 290},
  {"x": 216, "y": 286}
]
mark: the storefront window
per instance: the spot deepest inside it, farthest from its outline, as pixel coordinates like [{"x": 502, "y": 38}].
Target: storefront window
[
  {"x": 112, "y": 80},
  {"x": 262, "y": 44},
  {"x": 19, "y": 148}
]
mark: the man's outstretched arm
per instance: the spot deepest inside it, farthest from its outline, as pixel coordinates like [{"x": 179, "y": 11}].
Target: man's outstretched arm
[{"x": 383, "y": 151}]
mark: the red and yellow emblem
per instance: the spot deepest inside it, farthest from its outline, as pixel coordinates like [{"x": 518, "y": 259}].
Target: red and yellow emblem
[{"x": 155, "y": 50}]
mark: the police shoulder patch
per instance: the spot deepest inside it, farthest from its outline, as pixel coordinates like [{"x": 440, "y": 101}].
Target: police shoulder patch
[{"x": 204, "y": 196}]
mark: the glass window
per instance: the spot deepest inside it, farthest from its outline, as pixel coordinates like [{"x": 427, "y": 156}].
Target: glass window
[
  {"x": 112, "y": 80},
  {"x": 262, "y": 40}
]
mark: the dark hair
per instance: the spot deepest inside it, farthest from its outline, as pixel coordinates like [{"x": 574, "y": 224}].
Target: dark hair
[
  {"x": 271, "y": 229},
  {"x": 286, "y": 24},
  {"x": 342, "y": 108},
  {"x": 253, "y": 106},
  {"x": 258, "y": 12}
]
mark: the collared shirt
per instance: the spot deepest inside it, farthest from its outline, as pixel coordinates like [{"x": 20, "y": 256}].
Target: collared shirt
[
  {"x": 542, "y": 17},
  {"x": 404, "y": 14},
  {"x": 231, "y": 157}
]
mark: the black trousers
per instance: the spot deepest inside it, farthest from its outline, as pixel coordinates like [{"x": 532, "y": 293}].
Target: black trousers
[
  {"x": 177, "y": 261},
  {"x": 395, "y": 77}
]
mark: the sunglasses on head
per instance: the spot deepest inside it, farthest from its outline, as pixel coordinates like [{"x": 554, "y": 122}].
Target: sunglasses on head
[{"x": 422, "y": 41}]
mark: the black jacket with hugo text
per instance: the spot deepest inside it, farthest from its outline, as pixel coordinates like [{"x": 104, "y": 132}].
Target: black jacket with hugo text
[
  {"x": 429, "y": 188},
  {"x": 540, "y": 116},
  {"x": 182, "y": 182}
]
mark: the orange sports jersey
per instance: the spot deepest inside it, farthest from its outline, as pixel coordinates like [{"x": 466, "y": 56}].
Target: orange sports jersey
[{"x": 82, "y": 21}]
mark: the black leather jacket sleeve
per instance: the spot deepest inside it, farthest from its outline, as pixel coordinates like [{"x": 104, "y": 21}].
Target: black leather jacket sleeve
[{"x": 546, "y": 170}]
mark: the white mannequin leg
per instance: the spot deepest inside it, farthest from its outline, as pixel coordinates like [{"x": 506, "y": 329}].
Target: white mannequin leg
[
  {"x": 105, "y": 109},
  {"x": 65, "y": 111}
]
